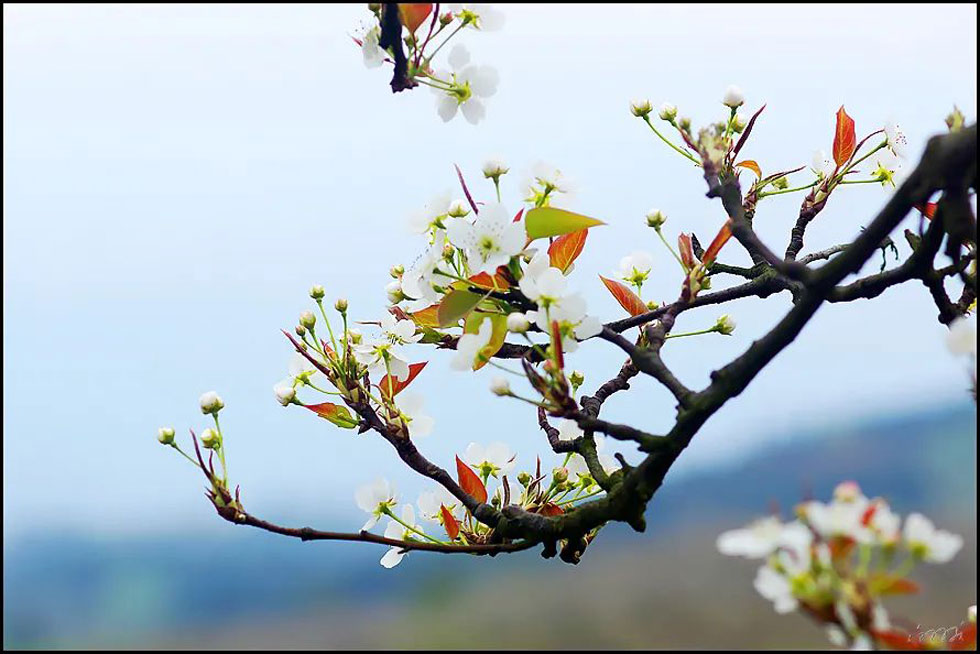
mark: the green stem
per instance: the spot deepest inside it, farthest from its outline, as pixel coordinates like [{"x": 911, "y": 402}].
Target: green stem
[
  {"x": 789, "y": 190},
  {"x": 668, "y": 246},
  {"x": 663, "y": 138},
  {"x": 698, "y": 333}
]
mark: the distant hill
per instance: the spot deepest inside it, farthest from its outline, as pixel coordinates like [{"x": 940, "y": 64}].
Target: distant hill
[{"x": 62, "y": 590}]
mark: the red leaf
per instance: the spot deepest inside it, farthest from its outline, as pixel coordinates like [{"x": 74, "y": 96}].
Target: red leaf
[
  {"x": 550, "y": 509},
  {"x": 398, "y": 386},
  {"x": 900, "y": 640},
  {"x": 751, "y": 165},
  {"x": 928, "y": 209},
  {"x": 497, "y": 282},
  {"x": 449, "y": 522},
  {"x": 721, "y": 238},
  {"x": 844, "y": 138},
  {"x": 625, "y": 296},
  {"x": 687, "y": 251},
  {"x": 565, "y": 249},
  {"x": 414, "y": 14},
  {"x": 338, "y": 415},
  {"x": 470, "y": 482},
  {"x": 520, "y": 214}
]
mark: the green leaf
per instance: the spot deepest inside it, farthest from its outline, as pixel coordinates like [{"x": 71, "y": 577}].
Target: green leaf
[
  {"x": 338, "y": 415},
  {"x": 542, "y": 222},
  {"x": 455, "y": 305}
]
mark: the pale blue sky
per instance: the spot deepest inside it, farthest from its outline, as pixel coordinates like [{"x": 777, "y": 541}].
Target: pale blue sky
[{"x": 175, "y": 178}]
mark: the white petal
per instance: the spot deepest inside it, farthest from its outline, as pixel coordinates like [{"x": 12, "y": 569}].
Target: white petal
[
  {"x": 392, "y": 557},
  {"x": 473, "y": 110},
  {"x": 446, "y": 107},
  {"x": 459, "y": 56}
]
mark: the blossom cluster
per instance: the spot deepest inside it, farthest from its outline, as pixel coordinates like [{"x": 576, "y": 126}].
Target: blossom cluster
[
  {"x": 463, "y": 86},
  {"x": 836, "y": 561}
]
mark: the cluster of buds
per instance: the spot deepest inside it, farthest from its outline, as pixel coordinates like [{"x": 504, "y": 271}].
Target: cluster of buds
[{"x": 837, "y": 561}]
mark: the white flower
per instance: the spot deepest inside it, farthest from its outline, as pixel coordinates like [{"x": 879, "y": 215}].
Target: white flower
[
  {"x": 500, "y": 386},
  {"x": 469, "y": 85},
  {"x": 550, "y": 177},
  {"x": 839, "y": 519},
  {"x": 495, "y": 459},
  {"x": 431, "y": 216},
  {"x": 568, "y": 430},
  {"x": 895, "y": 138},
  {"x": 607, "y": 461},
  {"x": 962, "y": 336},
  {"x": 733, "y": 97},
  {"x": 725, "y": 325},
  {"x": 394, "y": 291},
  {"x": 469, "y": 346},
  {"x": 382, "y": 356},
  {"x": 517, "y": 323},
  {"x": 794, "y": 548},
  {"x": 822, "y": 165},
  {"x": 410, "y": 405},
  {"x": 776, "y": 588},
  {"x": 398, "y": 531},
  {"x": 399, "y": 332},
  {"x": 211, "y": 403},
  {"x": 417, "y": 283},
  {"x": 494, "y": 168},
  {"x": 430, "y": 503},
  {"x": 640, "y": 107},
  {"x": 635, "y": 268},
  {"x": 285, "y": 392},
  {"x": 755, "y": 541},
  {"x": 574, "y": 323},
  {"x": 372, "y": 52},
  {"x": 931, "y": 544},
  {"x": 541, "y": 283},
  {"x": 482, "y": 17},
  {"x": 491, "y": 240},
  {"x": 376, "y": 498},
  {"x": 668, "y": 112},
  {"x": 302, "y": 370}
]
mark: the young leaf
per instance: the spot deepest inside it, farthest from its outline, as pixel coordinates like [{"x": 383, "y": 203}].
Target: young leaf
[
  {"x": 427, "y": 317},
  {"x": 470, "y": 482},
  {"x": 889, "y": 584},
  {"x": 398, "y": 386},
  {"x": 566, "y": 248},
  {"x": 687, "y": 251},
  {"x": 550, "y": 509},
  {"x": 414, "y": 14},
  {"x": 338, "y": 415},
  {"x": 718, "y": 243},
  {"x": 625, "y": 296},
  {"x": 449, "y": 522},
  {"x": 455, "y": 305},
  {"x": 497, "y": 335},
  {"x": 927, "y": 209},
  {"x": 751, "y": 165},
  {"x": 542, "y": 222},
  {"x": 844, "y": 138},
  {"x": 497, "y": 282}
]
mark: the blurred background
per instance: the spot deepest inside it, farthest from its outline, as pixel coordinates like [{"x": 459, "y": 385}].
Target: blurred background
[{"x": 176, "y": 177}]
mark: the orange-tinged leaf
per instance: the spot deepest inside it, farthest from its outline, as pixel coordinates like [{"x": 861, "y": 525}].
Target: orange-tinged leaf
[
  {"x": 470, "y": 482},
  {"x": 888, "y": 584},
  {"x": 896, "y": 639},
  {"x": 496, "y": 282},
  {"x": 565, "y": 249},
  {"x": 338, "y": 415},
  {"x": 427, "y": 317},
  {"x": 550, "y": 509},
  {"x": 751, "y": 165},
  {"x": 449, "y": 522},
  {"x": 844, "y": 138},
  {"x": 928, "y": 209},
  {"x": 718, "y": 243},
  {"x": 414, "y": 13},
  {"x": 625, "y": 296},
  {"x": 498, "y": 333},
  {"x": 398, "y": 386},
  {"x": 687, "y": 251}
]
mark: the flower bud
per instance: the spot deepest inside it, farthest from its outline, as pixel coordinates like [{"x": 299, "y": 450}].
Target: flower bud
[
  {"x": 211, "y": 403},
  {"x": 733, "y": 97},
  {"x": 448, "y": 251},
  {"x": 781, "y": 183},
  {"x": 300, "y": 331},
  {"x": 738, "y": 124},
  {"x": 500, "y": 386},
  {"x": 652, "y": 306},
  {"x": 457, "y": 209},
  {"x": 166, "y": 435},
  {"x": 494, "y": 168},
  {"x": 340, "y": 305},
  {"x": 517, "y": 323},
  {"x": 446, "y": 18},
  {"x": 576, "y": 379},
  {"x": 971, "y": 614},
  {"x": 394, "y": 291},
  {"x": 307, "y": 319},
  {"x": 640, "y": 108},
  {"x": 285, "y": 393},
  {"x": 656, "y": 218},
  {"x": 210, "y": 439},
  {"x": 847, "y": 491},
  {"x": 684, "y": 123},
  {"x": 955, "y": 121},
  {"x": 523, "y": 478},
  {"x": 354, "y": 335},
  {"x": 725, "y": 325},
  {"x": 317, "y": 292},
  {"x": 396, "y": 271},
  {"x": 560, "y": 475},
  {"x": 668, "y": 112}
]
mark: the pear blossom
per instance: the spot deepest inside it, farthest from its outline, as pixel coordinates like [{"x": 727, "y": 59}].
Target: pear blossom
[
  {"x": 733, "y": 97},
  {"x": 491, "y": 240},
  {"x": 301, "y": 370},
  {"x": 469, "y": 346},
  {"x": 375, "y": 498},
  {"x": 839, "y": 519},
  {"x": 541, "y": 283},
  {"x": 431, "y": 216},
  {"x": 725, "y": 325},
  {"x": 285, "y": 392},
  {"x": 930, "y": 544},
  {"x": 459, "y": 209},
  {"x": 776, "y": 588},
  {"x": 469, "y": 85},
  {"x": 211, "y": 403},
  {"x": 480, "y": 16},
  {"x": 606, "y": 460},
  {"x": 431, "y": 503},
  {"x": 755, "y": 541},
  {"x": 822, "y": 165},
  {"x": 494, "y": 168},
  {"x": 417, "y": 283},
  {"x": 409, "y": 404},
  {"x": 382, "y": 356},
  {"x": 668, "y": 112},
  {"x": 883, "y": 522},
  {"x": 373, "y": 54},
  {"x": 640, "y": 107},
  {"x": 500, "y": 386},
  {"x": 895, "y": 138},
  {"x": 962, "y": 336},
  {"x": 635, "y": 268},
  {"x": 399, "y": 332},
  {"x": 397, "y": 531},
  {"x": 493, "y": 460},
  {"x": 568, "y": 430},
  {"x": 550, "y": 177},
  {"x": 570, "y": 312}
]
